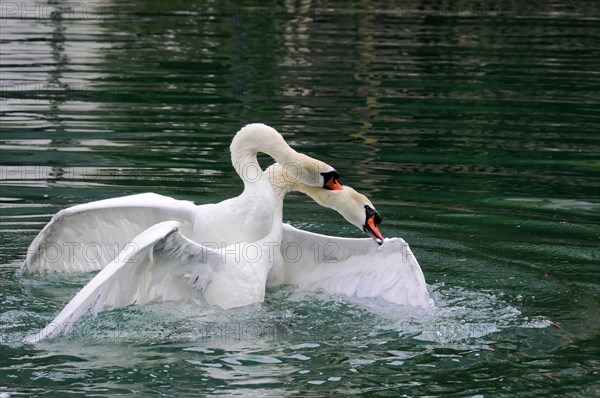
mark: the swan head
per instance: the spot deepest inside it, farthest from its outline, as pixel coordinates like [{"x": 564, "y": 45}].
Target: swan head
[
  {"x": 355, "y": 207},
  {"x": 358, "y": 210},
  {"x": 313, "y": 172}
]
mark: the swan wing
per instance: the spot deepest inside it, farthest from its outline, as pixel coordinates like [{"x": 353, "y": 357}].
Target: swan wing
[
  {"x": 161, "y": 265},
  {"x": 353, "y": 267},
  {"x": 87, "y": 237}
]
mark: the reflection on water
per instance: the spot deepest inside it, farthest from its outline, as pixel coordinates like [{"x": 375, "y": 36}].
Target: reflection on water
[{"x": 471, "y": 126}]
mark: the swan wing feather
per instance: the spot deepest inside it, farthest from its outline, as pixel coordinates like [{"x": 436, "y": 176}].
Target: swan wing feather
[
  {"x": 161, "y": 265},
  {"x": 353, "y": 267},
  {"x": 87, "y": 237}
]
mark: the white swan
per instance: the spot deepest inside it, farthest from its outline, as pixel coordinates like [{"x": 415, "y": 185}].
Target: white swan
[{"x": 162, "y": 264}]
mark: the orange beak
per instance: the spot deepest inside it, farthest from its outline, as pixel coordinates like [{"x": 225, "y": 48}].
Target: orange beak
[
  {"x": 373, "y": 230},
  {"x": 334, "y": 185}
]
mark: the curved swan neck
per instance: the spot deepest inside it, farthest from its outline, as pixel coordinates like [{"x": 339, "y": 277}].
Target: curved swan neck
[
  {"x": 282, "y": 183},
  {"x": 254, "y": 138},
  {"x": 323, "y": 197}
]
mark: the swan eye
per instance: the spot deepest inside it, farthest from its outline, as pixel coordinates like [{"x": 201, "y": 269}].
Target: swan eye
[{"x": 371, "y": 212}]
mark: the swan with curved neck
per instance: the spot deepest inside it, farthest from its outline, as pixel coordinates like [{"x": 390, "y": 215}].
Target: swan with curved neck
[{"x": 297, "y": 172}]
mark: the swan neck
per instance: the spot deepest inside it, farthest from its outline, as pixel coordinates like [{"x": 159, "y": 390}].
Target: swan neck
[
  {"x": 319, "y": 195},
  {"x": 281, "y": 182},
  {"x": 255, "y": 138}
]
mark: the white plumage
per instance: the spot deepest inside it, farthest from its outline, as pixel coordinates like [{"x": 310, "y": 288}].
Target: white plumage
[{"x": 153, "y": 248}]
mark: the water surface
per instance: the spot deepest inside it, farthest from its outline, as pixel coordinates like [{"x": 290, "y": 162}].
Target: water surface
[{"x": 473, "y": 128}]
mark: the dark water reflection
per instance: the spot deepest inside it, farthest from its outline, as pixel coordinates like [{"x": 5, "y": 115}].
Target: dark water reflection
[{"x": 472, "y": 126}]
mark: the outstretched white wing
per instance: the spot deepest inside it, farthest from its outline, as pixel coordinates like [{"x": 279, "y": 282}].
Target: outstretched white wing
[
  {"x": 87, "y": 237},
  {"x": 354, "y": 267},
  {"x": 161, "y": 265}
]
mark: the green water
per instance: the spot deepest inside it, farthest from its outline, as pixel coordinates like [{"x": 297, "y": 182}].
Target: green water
[{"x": 472, "y": 127}]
